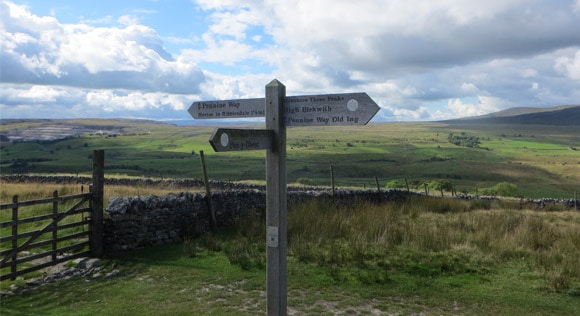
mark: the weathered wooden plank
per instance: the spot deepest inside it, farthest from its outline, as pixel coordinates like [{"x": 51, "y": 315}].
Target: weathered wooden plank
[
  {"x": 45, "y": 201},
  {"x": 13, "y": 275}
]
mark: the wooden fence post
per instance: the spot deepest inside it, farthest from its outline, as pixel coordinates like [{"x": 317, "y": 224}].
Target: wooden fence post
[
  {"x": 332, "y": 179},
  {"x": 97, "y": 192},
  {"x": 54, "y": 224},
  {"x": 14, "y": 235},
  {"x": 212, "y": 219}
]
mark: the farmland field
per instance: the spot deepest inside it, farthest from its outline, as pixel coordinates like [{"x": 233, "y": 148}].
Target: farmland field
[
  {"x": 541, "y": 160},
  {"x": 430, "y": 256}
]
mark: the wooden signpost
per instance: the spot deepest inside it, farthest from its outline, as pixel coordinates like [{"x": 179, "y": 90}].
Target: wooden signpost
[{"x": 280, "y": 111}]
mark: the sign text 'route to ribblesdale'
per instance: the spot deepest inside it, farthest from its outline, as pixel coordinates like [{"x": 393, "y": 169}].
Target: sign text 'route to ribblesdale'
[{"x": 308, "y": 110}]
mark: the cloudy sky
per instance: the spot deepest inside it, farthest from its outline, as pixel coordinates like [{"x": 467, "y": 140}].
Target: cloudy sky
[{"x": 419, "y": 59}]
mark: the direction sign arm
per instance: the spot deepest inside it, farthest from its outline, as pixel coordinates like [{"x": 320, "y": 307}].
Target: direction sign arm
[
  {"x": 220, "y": 109},
  {"x": 236, "y": 139}
]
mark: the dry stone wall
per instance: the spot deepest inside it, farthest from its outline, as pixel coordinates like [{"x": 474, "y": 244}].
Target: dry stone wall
[{"x": 132, "y": 222}]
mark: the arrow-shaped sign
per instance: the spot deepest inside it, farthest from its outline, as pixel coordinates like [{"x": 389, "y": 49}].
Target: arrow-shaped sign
[
  {"x": 228, "y": 109},
  {"x": 308, "y": 110},
  {"x": 234, "y": 139},
  {"x": 329, "y": 109}
]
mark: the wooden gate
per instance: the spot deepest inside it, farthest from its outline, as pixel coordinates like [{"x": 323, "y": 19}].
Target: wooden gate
[{"x": 62, "y": 236}]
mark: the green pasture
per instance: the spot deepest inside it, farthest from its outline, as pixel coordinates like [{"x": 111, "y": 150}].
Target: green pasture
[
  {"x": 540, "y": 160},
  {"x": 428, "y": 256}
]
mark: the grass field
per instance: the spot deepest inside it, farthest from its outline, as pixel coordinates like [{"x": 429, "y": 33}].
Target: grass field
[
  {"x": 542, "y": 161},
  {"x": 421, "y": 256}
]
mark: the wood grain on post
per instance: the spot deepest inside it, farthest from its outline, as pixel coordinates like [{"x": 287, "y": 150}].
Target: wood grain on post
[
  {"x": 211, "y": 213},
  {"x": 276, "y": 200},
  {"x": 332, "y": 179}
]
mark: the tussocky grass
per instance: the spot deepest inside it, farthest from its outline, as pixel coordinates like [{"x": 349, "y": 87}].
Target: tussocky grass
[{"x": 417, "y": 256}]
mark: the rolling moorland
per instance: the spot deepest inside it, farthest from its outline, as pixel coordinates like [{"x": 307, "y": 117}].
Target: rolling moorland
[
  {"x": 535, "y": 150},
  {"x": 423, "y": 256}
]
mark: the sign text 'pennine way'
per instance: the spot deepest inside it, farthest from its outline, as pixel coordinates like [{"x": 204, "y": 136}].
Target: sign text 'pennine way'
[{"x": 308, "y": 110}]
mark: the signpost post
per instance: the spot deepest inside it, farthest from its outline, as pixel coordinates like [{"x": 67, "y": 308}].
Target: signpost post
[{"x": 280, "y": 111}]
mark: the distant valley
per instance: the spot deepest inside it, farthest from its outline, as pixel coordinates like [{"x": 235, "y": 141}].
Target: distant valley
[
  {"x": 536, "y": 150},
  {"x": 50, "y": 130}
]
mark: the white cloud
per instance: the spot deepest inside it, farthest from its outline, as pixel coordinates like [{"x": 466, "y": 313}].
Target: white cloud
[
  {"x": 41, "y": 50},
  {"x": 419, "y": 114},
  {"x": 113, "y": 101},
  {"x": 469, "y": 88},
  {"x": 34, "y": 94},
  {"x": 228, "y": 87},
  {"x": 104, "y": 20},
  {"x": 414, "y": 35},
  {"x": 58, "y": 102},
  {"x": 418, "y": 59},
  {"x": 328, "y": 44},
  {"x": 234, "y": 24},
  {"x": 225, "y": 51},
  {"x": 529, "y": 73},
  {"x": 42, "y": 94},
  {"x": 128, "y": 20},
  {"x": 569, "y": 66},
  {"x": 219, "y": 4},
  {"x": 484, "y": 105}
]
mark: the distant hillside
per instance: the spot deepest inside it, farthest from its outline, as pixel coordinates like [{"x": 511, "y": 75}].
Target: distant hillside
[
  {"x": 28, "y": 130},
  {"x": 558, "y": 116}
]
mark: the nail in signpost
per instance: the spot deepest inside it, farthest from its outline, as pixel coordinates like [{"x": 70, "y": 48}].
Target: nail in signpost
[{"x": 280, "y": 111}]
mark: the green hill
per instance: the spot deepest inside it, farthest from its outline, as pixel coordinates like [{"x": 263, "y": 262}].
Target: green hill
[
  {"x": 542, "y": 160},
  {"x": 557, "y": 116}
]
